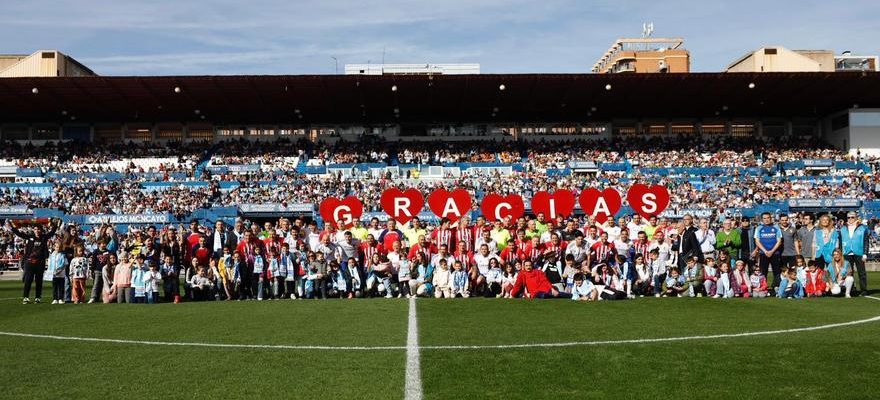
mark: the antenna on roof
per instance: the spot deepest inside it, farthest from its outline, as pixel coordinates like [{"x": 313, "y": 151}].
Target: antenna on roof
[{"x": 647, "y": 29}]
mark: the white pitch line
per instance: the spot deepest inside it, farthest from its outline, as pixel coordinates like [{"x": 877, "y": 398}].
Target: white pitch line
[
  {"x": 412, "y": 334},
  {"x": 413, "y": 390},
  {"x": 193, "y": 344}
]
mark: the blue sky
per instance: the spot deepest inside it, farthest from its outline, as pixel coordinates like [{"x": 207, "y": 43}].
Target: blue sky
[{"x": 165, "y": 37}]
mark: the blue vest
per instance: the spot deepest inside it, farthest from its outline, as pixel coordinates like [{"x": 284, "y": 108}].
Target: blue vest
[
  {"x": 823, "y": 249},
  {"x": 768, "y": 235},
  {"x": 855, "y": 244}
]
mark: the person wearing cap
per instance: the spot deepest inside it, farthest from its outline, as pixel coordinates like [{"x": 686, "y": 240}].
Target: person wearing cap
[{"x": 854, "y": 238}]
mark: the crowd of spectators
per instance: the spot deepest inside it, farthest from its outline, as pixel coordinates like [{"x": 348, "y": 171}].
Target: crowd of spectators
[{"x": 278, "y": 182}]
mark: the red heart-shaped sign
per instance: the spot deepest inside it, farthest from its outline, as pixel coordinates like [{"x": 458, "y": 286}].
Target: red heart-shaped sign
[
  {"x": 648, "y": 201},
  {"x": 560, "y": 203},
  {"x": 402, "y": 205},
  {"x": 601, "y": 205},
  {"x": 452, "y": 205},
  {"x": 497, "y": 207},
  {"x": 346, "y": 210}
]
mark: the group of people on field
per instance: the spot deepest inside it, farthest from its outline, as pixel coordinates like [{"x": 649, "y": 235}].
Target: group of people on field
[{"x": 533, "y": 257}]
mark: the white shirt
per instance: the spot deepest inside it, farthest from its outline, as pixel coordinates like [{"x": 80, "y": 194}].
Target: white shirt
[
  {"x": 578, "y": 252},
  {"x": 493, "y": 247},
  {"x": 482, "y": 262},
  {"x": 707, "y": 240},
  {"x": 634, "y": 228},
  {"x": 622, "y": 247}
]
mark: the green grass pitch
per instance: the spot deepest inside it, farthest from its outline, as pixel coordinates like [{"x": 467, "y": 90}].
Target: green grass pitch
[{"x": 815, "y": 364}]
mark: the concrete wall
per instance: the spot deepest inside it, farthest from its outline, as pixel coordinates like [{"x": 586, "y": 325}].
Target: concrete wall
[
  {"x": 864, "y": 131},
  {"x": 784, "y": 60}
]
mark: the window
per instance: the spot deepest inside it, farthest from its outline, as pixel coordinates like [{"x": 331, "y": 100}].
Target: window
[
  {"x": 15, "y": 133},
  {"x": 108, "y": 134},
  {"x": 170, "y": 133},
  {"x": 713, "y": 129},
  {"x": 141, "y": 133},
  {"x": 46, "y": 133},
  {"x": 742, "y": 130},
  {"x": 770, "y": 51},
  {"x": 226, "y": 132},
  {"x": 624, "y": 130},
  {"x": 683, "y": 129},
  {"x": 201, "y": 133}
]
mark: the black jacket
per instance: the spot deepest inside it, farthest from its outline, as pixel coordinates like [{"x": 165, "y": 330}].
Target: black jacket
[
  {"x": 690, "y": 246},
  {"x": 36, "y": 248}
]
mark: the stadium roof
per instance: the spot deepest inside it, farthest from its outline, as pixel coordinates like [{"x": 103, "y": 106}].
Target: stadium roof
[{"x": 425, "y": 99}]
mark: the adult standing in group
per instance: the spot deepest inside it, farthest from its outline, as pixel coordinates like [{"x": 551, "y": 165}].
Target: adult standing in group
[
  {"x": 706, "y": 238},
  {"x": 805, "y": 235},
  {"x": 747, "y": 243},
  {"x": 728, "y": 240},
  {"x": 825, "y": 240},
  {"x": 221, "y": 238},
  {"x": 689, "y": 245},
  {"x": 768, "y": 248},
  {"x": 854, "y": 243},
  {"x": 789, "y": 237},
  {"x": 33, "y": 260}
]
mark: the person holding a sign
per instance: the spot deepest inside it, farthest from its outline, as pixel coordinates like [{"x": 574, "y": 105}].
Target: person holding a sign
[{"x": 33, "y": 260}]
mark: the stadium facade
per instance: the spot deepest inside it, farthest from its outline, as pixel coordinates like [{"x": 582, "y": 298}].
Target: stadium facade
[{"x": 843, "y": 108}]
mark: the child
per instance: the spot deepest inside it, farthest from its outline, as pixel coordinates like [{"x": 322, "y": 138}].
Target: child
[
  {"x": 583, "y": 289},
  {"x": 725, "y": 282},
  {"x": 676, "y": 285},
  {"x": 338, "y": 282},
  {"x": 138, "y": 273},
  {"x": 608, "y": 283},
  {"x": 758, "y": 284},
  {"x": 658, "y": 271},
  {"x": 569, "y": 271},
  {"x": 79, "y": 272},
  {"x": 170, "y": 281},
  {"x": 693, "y": 277},
  {"x": 151, "y": 283},
  {"x": 642, "y": 275},
  {"x": 259, "y": 273},
  {"x": 403, "y": 276},
  {"x": 793, "y": 289},
  {"x": 57, "y": 273},
  {"x": 190, "y": 272},
  {"x": 201, "y": 286},
  {"x": 815, "y": 286},
  {"x": 287, "y": 263},
  {"x": 122, "y": 280},
  {"x": 315, "y": 277},
  {"x": 442, "y": 281},
  {"x": 494, "y": 278},
  {"x": 625, "y": 273},
  {"x": 224, "y": 273},
  {"x": 741, "y": 283},
  {"x": 710, "y": 277},
  {"x": 801, "y": 273},
  {"x": 509, "y": 279},
  {"x": 273, "y": 275},
  {"x": 459, "y": 280}
]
